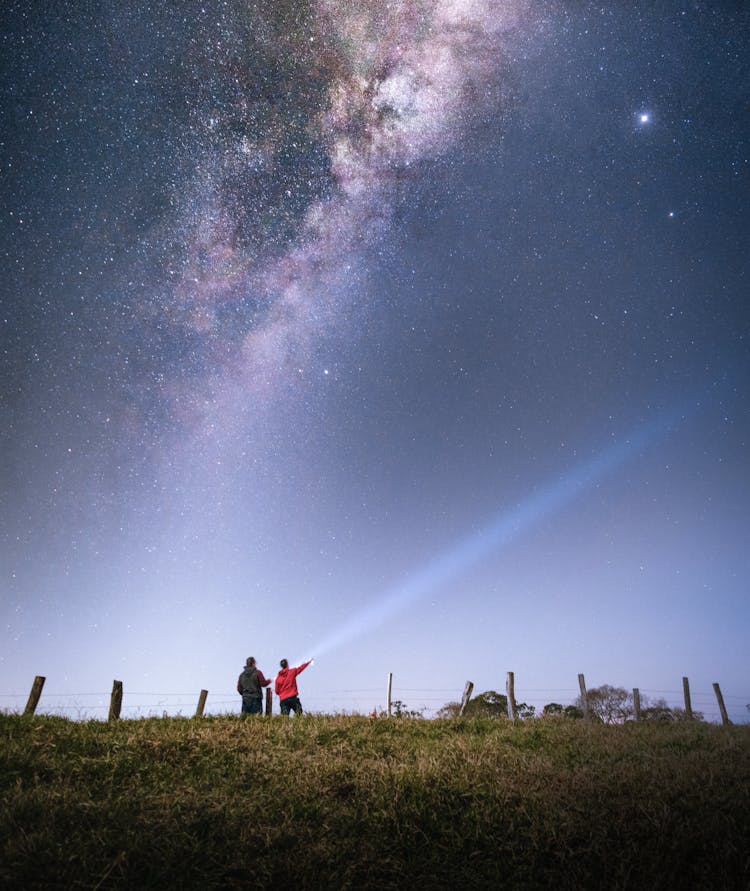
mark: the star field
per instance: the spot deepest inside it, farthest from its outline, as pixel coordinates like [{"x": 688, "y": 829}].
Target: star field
[{"x": 300, "y": 301}]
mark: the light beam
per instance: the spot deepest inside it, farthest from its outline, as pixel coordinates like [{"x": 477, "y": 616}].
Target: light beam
[{"x": 502, "y": 529}]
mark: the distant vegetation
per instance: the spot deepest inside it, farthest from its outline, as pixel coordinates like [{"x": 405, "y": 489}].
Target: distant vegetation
[
  {"x": 355, "y": 802},
  {"x": 607, "y": 704}
]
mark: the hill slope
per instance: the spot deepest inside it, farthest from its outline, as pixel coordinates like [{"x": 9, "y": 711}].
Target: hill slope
[{"x": 343, "y": 802}]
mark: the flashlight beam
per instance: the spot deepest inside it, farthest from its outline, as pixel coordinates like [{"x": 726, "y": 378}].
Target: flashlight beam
[{"x": 499, "y": 532}]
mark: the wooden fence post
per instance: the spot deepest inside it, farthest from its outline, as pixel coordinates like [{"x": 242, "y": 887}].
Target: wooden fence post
[
  {"x": 637, "y": 703},
  {"x": 390, "y": 689},
  {"x": 465, "y": 698},
  {"x": 686, "y": 694},
  {"x": 115, "y": 701},
  {"x": 584, "y": 698},
  {"x": 269, "y": 700},
  {"x": 722, "y": 708},
  {"x": 36, "y": 692},
  {"x": 510, "y": 690},
  {"x": 201, "y": 704}
]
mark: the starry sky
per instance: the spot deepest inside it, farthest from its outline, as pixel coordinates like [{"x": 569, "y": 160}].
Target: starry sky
[{"x": 409, "y": 336}]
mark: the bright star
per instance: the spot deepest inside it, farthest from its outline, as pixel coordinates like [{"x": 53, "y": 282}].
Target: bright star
[{"x": 644, "y": 117}]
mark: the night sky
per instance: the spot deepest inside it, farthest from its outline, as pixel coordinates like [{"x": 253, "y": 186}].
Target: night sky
[{"x": 409, "y": 336}]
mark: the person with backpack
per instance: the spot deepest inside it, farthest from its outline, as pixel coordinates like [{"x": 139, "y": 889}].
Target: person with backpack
[{"x": 249, "y": 685}]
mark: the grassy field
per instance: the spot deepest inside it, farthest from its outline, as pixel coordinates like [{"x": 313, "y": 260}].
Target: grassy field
[{"x": 354, "y": 802}]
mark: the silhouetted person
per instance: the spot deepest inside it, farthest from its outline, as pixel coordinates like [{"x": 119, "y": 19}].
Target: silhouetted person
[
  {"x": 249, "y": 685},
  {"x": 286, "y": 687}
]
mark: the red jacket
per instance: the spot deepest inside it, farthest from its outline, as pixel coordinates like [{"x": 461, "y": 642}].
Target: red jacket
[{"x": 286, "y": 681}]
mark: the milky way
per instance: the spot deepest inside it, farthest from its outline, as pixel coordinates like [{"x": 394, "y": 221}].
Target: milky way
[{"x": 310, "y": 117}]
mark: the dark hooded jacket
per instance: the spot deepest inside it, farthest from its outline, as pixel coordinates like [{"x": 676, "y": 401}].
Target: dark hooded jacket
[{"x": 251, "y": 680}]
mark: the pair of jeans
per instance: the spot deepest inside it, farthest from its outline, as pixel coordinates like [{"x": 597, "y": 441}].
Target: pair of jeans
[
  {"x": 291, "y": 704},
  {"x": 252, "y": 705}
]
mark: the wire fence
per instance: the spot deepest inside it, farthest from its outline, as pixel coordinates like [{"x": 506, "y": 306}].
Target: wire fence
[{"x": 425, "y": 701}]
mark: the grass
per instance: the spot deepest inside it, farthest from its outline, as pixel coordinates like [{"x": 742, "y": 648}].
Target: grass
[{"x": 354, "y": 802}]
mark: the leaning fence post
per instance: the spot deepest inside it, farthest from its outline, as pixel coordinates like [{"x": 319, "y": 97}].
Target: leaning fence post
[
  {"x": 390, "y": 689},
  {"x": 269, "y": 700},
  {"x": 510, "y": 690},
  {"x": 115, "y": 701},
  {"x": 637, "y": 703},
  {"x": 465, "y": 698},
  {"x": 686, "y": 694},
  {"x": 584, "y": 697},
  {"x": 722, "y": 708},
  {"x": 201, "y": 704},
  {"x": 36, "y": 692}
]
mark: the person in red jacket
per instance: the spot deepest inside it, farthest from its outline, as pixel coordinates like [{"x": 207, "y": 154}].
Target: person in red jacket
[{"x": 286, "y": 687}]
